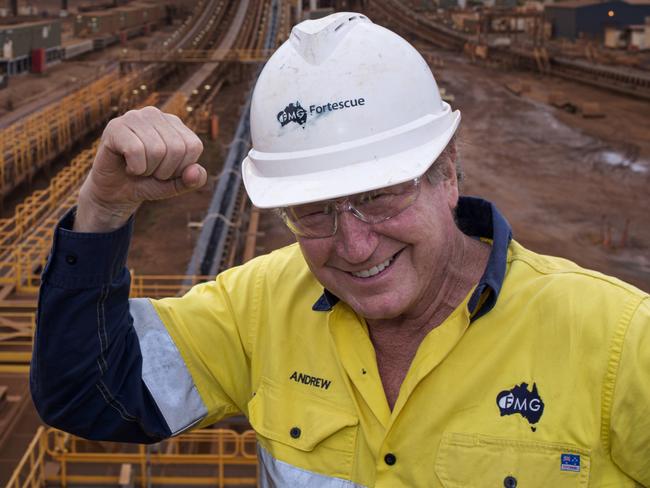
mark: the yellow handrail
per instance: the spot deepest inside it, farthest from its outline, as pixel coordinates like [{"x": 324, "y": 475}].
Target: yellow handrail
[
  {"x": 30, "y": 471},
  {"x": 213, "y": 454}
]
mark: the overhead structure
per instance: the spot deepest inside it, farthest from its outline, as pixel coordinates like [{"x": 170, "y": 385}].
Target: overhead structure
[{"x": 195, "y": 56}]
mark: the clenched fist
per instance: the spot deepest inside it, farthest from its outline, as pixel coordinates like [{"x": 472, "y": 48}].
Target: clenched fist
[{"x": 143, "y": 155}]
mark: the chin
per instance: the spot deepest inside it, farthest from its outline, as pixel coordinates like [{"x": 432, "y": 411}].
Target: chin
[{"x": 375, "y": 309}]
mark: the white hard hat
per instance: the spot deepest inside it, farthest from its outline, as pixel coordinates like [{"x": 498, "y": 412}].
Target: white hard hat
[{"x": 344, "y": 106}]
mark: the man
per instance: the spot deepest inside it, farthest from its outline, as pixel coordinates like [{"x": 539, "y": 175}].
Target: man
[{"x": 405, "y": 340}]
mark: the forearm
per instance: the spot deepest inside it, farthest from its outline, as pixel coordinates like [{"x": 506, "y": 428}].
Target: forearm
[{"x": 86, "y": 374}]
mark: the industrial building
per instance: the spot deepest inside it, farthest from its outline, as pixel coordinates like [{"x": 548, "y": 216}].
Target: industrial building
[
  {"x": 575, "y": 19},
  {"x": 29, "y": 45}
]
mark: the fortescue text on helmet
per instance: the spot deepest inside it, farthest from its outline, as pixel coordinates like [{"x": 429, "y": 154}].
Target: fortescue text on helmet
[{"x": 295, "y": 113}]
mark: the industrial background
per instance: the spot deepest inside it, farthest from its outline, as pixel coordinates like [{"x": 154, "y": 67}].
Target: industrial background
[{"x": 555, "y": 98}]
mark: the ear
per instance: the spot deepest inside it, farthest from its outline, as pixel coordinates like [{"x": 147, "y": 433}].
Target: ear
[{"x": 451, "y": 179}]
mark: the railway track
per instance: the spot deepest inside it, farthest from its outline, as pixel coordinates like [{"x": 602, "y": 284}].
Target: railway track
[{"x": 408, "y": 23}]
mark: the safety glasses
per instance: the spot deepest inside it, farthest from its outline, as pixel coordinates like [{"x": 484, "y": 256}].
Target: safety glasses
[{"x": 320, "y": 219}]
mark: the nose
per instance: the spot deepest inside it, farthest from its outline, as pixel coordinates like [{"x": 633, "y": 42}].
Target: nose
[{"x": 355, "y": 240}]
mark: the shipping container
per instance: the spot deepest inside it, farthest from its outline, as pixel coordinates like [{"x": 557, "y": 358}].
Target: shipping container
[
  {"x": 92, "y": 24},
  {"x": 104, "y": 40},
  {"x": 46, "y": 35},
  {"x": 130, "y": 17},
  {"x": 77, "y": 48},
  {"x": 155, "y": 13},
  {"x": 18, "y": 40}
]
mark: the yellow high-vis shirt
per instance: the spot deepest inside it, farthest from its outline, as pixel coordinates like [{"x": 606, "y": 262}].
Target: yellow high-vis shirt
[{"x": 549, "y": 388}]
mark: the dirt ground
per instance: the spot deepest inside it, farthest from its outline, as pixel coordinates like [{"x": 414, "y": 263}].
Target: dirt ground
[
  {"x": 173, "y": 219},
  {"x": 569, "y": 186}
]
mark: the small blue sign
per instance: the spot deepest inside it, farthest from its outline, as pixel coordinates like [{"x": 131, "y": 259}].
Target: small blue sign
[{"x": 570, "y": 462}]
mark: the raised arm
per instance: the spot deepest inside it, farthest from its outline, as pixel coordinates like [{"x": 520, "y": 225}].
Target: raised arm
[{"x": 90, "y": 374}]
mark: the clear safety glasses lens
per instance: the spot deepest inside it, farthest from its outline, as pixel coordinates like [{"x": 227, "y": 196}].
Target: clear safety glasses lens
[{"x": 320, "y": 219}]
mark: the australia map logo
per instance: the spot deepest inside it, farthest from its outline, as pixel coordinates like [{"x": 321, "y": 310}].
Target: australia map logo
[
  {"x": 292, "y": 113},
  {"x": 519, "y": 400}
]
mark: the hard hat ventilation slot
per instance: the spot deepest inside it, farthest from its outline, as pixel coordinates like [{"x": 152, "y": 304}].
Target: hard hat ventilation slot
[
  {"x": 350, "y": 19},
  {"x": 315, "y": 40}
]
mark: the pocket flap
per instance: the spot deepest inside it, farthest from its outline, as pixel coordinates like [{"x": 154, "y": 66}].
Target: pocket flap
[
  {"x": 295, "y": 419},
  {"x": 473, "y": 460}
]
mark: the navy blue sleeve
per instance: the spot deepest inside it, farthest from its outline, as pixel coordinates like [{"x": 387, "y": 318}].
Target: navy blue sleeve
[{"x": 85, "y": 375}]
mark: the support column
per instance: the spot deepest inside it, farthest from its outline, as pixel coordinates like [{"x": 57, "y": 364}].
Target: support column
[{"x": 298, "y": 11}]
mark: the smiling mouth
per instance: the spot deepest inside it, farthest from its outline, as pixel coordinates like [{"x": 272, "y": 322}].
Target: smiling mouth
[{"x": 375, "y": 270}]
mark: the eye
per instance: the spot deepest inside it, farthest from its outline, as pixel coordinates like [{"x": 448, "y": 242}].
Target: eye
[
  {"x": 374, "y": 196},
  {"x": 310, "y": 211}
]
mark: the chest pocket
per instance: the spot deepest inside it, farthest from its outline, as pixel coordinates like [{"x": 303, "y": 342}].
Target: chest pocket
[
  {"x": 477, "y": 461},
  {"x": 304, "y": 430}
]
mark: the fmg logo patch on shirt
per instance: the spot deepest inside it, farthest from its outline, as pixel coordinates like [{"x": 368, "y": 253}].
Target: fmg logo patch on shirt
[
  {"x": 519, "y": 400},
  {"x": 570, "y": 462}
]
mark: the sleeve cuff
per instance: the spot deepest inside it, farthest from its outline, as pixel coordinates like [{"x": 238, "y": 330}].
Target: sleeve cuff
[{"x": 86, "y": 260}]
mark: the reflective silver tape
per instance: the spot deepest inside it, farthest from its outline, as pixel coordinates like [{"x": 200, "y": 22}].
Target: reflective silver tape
[
  {"x": 164, "y": 371},
  {"x": 278, "y": 474}
]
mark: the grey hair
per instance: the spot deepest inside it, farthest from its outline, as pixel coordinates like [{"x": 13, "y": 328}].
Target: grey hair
[{"x": 439, "y": 170}]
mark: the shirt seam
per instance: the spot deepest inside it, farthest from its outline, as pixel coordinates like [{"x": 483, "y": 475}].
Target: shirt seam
[
  {"x": 606, "y": 279},
  {"x": 257, "y": 292},
  {"x": 611, "y": 375},
  {"x": 102, "y": 363}
]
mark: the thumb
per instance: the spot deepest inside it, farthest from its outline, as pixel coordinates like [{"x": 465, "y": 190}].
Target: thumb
[{"x": 193, "y": 177}]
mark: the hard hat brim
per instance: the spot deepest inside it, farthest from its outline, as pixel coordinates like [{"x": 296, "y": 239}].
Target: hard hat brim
[{"x": 268, "y": 190}]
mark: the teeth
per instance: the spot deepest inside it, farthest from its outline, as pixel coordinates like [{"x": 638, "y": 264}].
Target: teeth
[{"x": 367, "y": 273}]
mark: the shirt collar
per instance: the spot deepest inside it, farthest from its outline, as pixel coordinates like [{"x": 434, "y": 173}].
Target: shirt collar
[{"x": 477, "y": 218}]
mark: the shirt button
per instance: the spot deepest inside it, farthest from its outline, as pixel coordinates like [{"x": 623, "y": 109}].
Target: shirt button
[
  {"x": 71, "y": 259},
  {"x": 390, "y": 459},
  {"x": 295, "y": 432},
  {"x": 510, "y": 482}
]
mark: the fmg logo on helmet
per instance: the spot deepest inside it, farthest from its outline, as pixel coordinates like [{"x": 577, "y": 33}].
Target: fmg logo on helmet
[
  {"x": 292, "y": 113},
  {"x": 295, "y": 113}
]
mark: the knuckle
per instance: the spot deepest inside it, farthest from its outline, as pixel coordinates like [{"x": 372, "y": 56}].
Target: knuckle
[
  {"x": 129, "y": 115},
  {"x": 195, "y": 147},
  {"x": 111, "y": 126},
  {"x": 132, "y": 148},
  {"x": 149, "y": 109},
  {"x": 157, "y": 150},
  {"x": 176, "y": 150}
]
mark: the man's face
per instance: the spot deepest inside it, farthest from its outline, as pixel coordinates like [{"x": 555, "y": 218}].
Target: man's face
[{"x": 414, "y": 245}]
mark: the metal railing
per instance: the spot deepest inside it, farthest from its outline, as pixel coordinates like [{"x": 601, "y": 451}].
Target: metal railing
[
  {"x": 29, "y": 144},
  {"x": 217, "y": 457}
]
